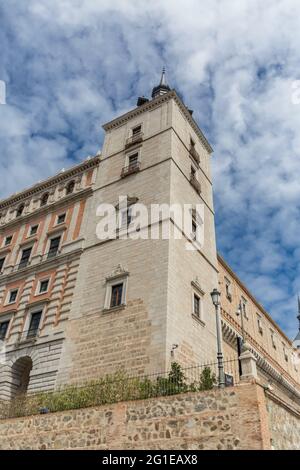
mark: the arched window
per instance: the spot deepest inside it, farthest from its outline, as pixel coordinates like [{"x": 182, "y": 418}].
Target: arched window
[
  {"x": 70, "y": 187},
  {"x": 44, "y": 199},
  {"x": 20, "y": 210}
]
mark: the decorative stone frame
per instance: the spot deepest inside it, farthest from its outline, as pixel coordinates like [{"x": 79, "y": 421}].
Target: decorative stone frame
[
  {"x": 34, "y": 308},
  {"x": 199, "y": 292},
  {"x": 118, "y": 276}
]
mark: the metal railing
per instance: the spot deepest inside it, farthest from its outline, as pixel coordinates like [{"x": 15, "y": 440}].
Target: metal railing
[
  {"x": 134, "y": 139},
  {"x": 130, "y": 169},
  {"x": 28, "y": 335},
  {"x": 121, "y": 387}
]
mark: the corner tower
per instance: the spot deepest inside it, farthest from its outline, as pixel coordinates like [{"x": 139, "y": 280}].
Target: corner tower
[{"x": 141, "y": 303}]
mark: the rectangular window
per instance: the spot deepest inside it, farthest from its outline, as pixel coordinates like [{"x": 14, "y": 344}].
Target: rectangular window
[
  {"x": 33, "y": 230},
  {"x": 197, "y": 311},
  {"x": 3, "y": 330},
  {"x": 54, "y": 246},
  {"x": 193, "y": 172},
  {"x": 126, "y": 217},
  {"x": 44, "y": 286},
  {"x": 136, "y": 130},
  {"x": 34, "y": 324},
  {"x": 194, "y": 229},
  {"x": 2, "y": 260},
  {"x": 228, "y": 289},
  {"x": 25, "y": 258},
  {"x": 259, "y": 324},
  {"x": 273, "y": 339},
  {"x": 133, "y": 160},
  {"x": 8, "y": 240},
  {"x": 116, "y": 295},
  {"x": 244, "y": 308},
  {"x": 61, "y": 218},
  {"x": 192, "y": 142},
  {"x": 285, "y": 353},
  {"x": 13, "y": 296}
]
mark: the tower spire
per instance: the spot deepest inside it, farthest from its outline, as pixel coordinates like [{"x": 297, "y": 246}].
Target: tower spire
[{"x": 163, "y": 87}]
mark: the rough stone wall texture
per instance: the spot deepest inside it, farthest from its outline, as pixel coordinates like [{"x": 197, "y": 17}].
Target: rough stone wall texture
[
  {"x": 228, "y": 419},
  {"x": 284, "y": 425}
]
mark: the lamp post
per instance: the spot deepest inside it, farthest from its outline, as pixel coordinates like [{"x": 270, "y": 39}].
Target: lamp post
[
  {"x": 215, "y": 296},
  {"x": 240, "y": 342},
  {"x": 238, "y": 313}
]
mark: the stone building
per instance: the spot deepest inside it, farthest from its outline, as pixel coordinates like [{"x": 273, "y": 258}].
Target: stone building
[{"x": 74, "y": 306}]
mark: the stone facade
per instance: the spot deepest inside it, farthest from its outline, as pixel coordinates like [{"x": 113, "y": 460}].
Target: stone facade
[
  {"x": 231, "y": 419},
  {"x": 80, "y": 337},
  {"x": 44, "y": 284},
  {"x": 284, "y": 423}
]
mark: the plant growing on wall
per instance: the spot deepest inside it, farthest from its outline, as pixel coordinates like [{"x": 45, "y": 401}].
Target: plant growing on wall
[{"x": 207, "y": 379}]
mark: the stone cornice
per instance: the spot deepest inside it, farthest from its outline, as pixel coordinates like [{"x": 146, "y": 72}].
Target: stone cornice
[
  {"x": 48, "y": 208},
  {"x": 154, "y": 104},
  {"x": 40, "y": 267},
  {"x": 46, "y": 184}
]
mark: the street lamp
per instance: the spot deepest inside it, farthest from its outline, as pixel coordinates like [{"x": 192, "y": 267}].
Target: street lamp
[
  {"x": 238, "y": 313},
  {"x": 240, "y": 341},
  {"x": 215, "y": 296}
]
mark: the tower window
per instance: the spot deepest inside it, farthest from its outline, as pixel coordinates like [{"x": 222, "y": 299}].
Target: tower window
[
  {"x": 116, "y": 295},
  {"x": 197, "y": 305},
  {"x": 137, "y": 130},
  {"x": 133, "y": 160}
]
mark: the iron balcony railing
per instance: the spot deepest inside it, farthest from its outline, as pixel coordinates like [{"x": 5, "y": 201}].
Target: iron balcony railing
[
  {"x": 130, "y": 169},
  {"x": 194, "y": 154},
  {"x": 28, "y": 335},
  {"x": 134, "y": 139},
  {"x": 195, "y": 183}
]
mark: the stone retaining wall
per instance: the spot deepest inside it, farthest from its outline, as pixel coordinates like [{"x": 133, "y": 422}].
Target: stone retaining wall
[{"x": 234, "y": 418}]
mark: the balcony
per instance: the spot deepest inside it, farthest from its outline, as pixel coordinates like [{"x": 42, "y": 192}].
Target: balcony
[
  {"x": 130, "y": 169},
  {"x": 194, "y": 154},
  {"x": 195, "y": 183},
  {"x": 134, "y": 139},
  {"x": 28, "y": 336}
]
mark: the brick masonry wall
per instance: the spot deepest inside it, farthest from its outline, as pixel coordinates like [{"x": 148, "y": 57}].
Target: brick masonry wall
[
  {"x": 284, "y": 425},
  {"x": 234, "y": 418}
]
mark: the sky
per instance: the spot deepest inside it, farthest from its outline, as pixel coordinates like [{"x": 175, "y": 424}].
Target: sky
[{"x": 72, "y": 65}]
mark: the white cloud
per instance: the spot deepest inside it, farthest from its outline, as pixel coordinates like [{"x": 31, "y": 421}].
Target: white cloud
[{"x": 72, "y": 65}]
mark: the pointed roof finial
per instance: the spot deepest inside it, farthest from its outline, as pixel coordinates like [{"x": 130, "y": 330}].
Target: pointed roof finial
[
  {"x": 163, "y": 81},
  {"x": 163, "y": 87}
]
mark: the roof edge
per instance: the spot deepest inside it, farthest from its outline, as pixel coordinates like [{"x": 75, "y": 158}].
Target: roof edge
[
  {"x": 153, "y": 104},
  {"x": 93, "y": 161},
  {"x": 251, "y": 296}
]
